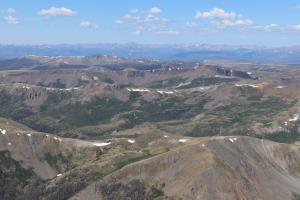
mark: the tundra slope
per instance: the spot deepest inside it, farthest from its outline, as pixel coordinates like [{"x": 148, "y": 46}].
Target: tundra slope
[
  {"x": 190, "y": 168},
  {"x": 215, "y": 168},
  {"x": 132, "y": 128}
]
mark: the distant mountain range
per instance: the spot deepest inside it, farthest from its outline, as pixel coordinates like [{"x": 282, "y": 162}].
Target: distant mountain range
[{"x": 197, "y": 53}]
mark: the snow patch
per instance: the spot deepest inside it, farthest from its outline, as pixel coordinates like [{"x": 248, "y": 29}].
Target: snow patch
[
  {"x": 183, "y": 140},
  {"x": 295, "y": 118},
  {"x": 3, "y": 131},
  {"x": 58, "y": 175},
  {"x": 57, "y": 139},
  {"x": 166, "y": 136},
  {"x": 182, "y": 84},
  {"x": 131, "y": 141},
  {"x": 25, "y": 87},
  {"x": 249, "y": 85},
  {"x": 137, "y": 90},
  {"x": 165, "y": 92},
  {"x": 204, "y": 88},
  {"x": 28, "y": 134},
  {"x": 103, "y": 144},
  {"x": 61, "y": 89},
  {"x": 9, "y": 144},
  {"x": 232, "y": 140}
]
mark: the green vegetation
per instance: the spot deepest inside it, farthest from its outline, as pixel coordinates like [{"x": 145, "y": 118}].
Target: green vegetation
[
  {"x": 56, "y": 98},
  {"x": 289, "y": 136},
  {"x": 172, "y": 82},
  {"x": 122, "y": 86},
  {"x": 12, "y": 169},
  {"x": 134, "y": 96},
  {"x": 59, "y": 161},
  {"x": 11, "y": 105},
  {"x": 169, "y": 109},
  {"x": 58, "y": 113},
  {"x": 295, "y": 196},
  {"x": 108, "y": 80},
  {"x": 57, "y": 84},
  {"x": 120, "y": 163},
  {"x": 207, "y": 81},
  {"x": 61, "y": 114},
  {"x": 13, "y": 177},
  {"x": 97, "y": 175},
  {"x": 80, "y": 114},
  {"x": 163, "y": 110},
  {"x": 155, "y": 193},
  {"x": 99, "y": 153},
  {"x": 235, "y": 119},
  {"x": 81, "y": 82}
]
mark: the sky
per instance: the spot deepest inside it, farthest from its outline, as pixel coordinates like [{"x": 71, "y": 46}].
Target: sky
[{"x": 230, "y": 22}]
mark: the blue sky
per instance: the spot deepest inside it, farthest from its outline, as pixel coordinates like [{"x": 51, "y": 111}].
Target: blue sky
[{"x": 232, "y": 22}]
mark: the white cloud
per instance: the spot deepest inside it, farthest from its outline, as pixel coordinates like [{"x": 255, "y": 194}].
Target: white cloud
[
  {"x": 215, "y": 13},
  {"x": 142, "y": 21},
  {"x": 11, "y": 20},
  {"x": 239, "y": 22},
  {"x": 155, "y": 10},
  {"x": 88, "y": 25},
  {"x": 57, "y": 12},
  {"x": 11, "y": 11},
  {"x": 296, "y": 27},
  {"x": 118, "y": 21},
  {"x": 131, "y": 17},
  {"x": 268, "y": 27},
  {"x": 137, "y": 32},
  {"x": 192, "y": 24},
  {"x": 134, "y": 11},
  {"x": 167, "y": 32},
  {"x": 219, "y": 18},
  {"x": 85, "y": 24},
  {"x": 222, "y": 19},
  {"x": 152, "y": 18}
]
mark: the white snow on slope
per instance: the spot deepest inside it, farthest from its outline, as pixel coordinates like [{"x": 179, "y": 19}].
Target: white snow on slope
[
  {"x": 232, "y": 140},
  {"x": 3, "y": 131},
  {"x": 137, "y": 90},
  {"x": 243, "y": 85},
  {"x": 295, "y": 118},
  {"x": 165, "y": 92},
  {"x": 102, "y": 144},
  {"x": 183, "y": 140},
  {"x": 131, "y": 141}
]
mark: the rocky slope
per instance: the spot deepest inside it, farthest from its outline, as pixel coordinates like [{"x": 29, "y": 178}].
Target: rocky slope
[
  {"x": 151, "y": 166},
  {"x": 217, "y": 168}
]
